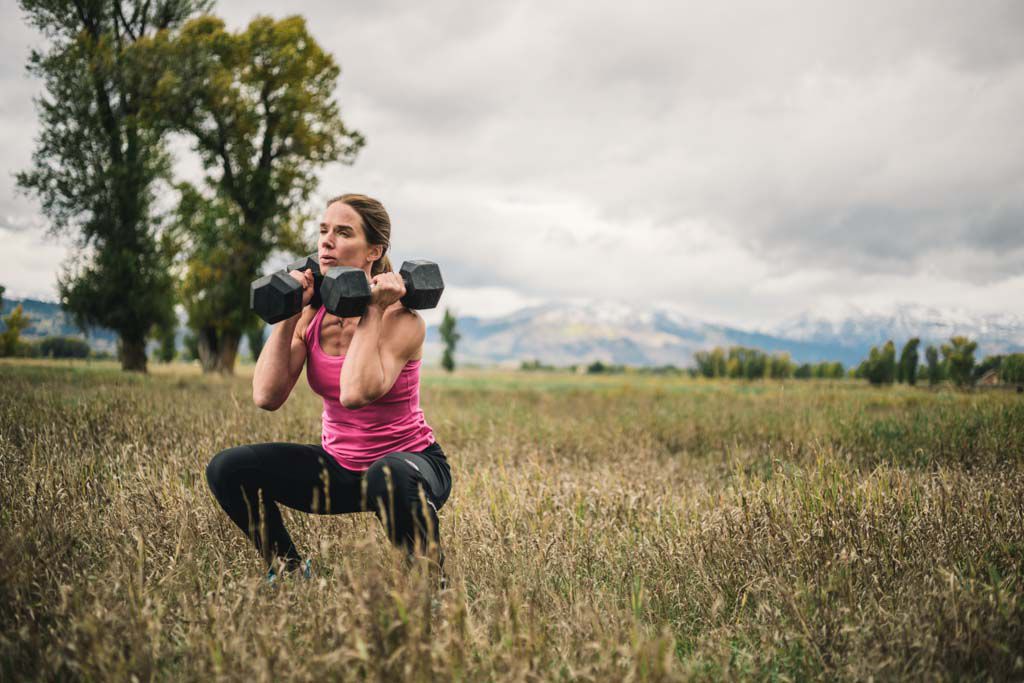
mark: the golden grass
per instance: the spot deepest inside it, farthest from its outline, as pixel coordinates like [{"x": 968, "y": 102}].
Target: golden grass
[{"x": 599, "y": 529}]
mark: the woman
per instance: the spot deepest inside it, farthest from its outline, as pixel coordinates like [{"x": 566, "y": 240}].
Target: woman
[{"x": 377, "y": 451}]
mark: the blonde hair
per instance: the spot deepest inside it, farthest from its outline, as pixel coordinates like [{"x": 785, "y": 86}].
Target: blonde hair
[{"x": 376, "y": 226}]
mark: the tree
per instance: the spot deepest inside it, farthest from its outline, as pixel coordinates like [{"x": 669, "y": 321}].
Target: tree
[
  {"x": 450, "y": 337},
  {"x": 1011, "y": 370},
  {"x": 97, "y": 161},
  {"x": 255, "y": 336},
  {"x": 2, "y": 290},
  {"x": 908, "y": 362},
  {"x": 880, "y": 366},
  {"x": 258, "y": 107},
  {"x": 166, "y": 337},
  {"x": 191, "y": 350},
  {"x": 988, "y": 363},
  {"x": 13, "y": 325},
  {"x": 959, "y": 357},
  {"x": 64, "y": 347},
  {"x": 935, "y": 373},
  {"x": 780, "y": 366}
]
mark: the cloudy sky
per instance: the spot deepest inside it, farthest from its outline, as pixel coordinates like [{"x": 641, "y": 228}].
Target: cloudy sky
[{"x": 742, "y": 161}]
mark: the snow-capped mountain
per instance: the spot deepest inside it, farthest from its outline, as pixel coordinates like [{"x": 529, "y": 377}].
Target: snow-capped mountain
[
  {"x": 856, "y": 329},
  {"x": 568, "y": 333}
]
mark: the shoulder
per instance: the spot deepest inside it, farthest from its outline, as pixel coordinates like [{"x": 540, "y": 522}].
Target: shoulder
[{"x": 404, "y": 331}]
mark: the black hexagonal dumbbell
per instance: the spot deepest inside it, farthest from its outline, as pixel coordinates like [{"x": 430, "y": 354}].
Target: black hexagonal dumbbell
[
  {"x": 346, "y": 291},
  {"x": 278, "y": 296}
]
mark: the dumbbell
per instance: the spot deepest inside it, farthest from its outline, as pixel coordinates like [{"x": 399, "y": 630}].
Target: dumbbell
[
  {"x": 346, "y": 290},
  {"x": 278, "y": 296}
]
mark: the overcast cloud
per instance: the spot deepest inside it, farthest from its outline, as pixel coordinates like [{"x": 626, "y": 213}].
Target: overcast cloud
[{"x": 743, "y": 161}]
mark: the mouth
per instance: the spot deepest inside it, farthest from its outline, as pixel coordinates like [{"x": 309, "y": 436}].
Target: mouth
[{"x": 328, "y": 259}]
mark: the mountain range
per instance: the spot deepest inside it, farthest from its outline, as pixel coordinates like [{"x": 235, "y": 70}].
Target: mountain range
[
  {"x": 564, "y": 334},
  {"x": 573, "y": 333}
]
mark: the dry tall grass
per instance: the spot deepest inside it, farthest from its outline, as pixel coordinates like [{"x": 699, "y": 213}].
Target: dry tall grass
[{"x": 598, "y": 530}]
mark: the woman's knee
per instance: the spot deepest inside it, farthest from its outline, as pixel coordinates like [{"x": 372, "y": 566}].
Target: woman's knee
[
  {"x": 390, "y": 479},
  {"x": 222, "y": 467}
]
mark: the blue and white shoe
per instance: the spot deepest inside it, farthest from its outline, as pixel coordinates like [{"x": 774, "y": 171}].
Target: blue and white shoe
[{"x": 305, "y": 572}]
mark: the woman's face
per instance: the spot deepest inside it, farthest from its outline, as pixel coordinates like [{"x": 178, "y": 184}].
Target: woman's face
[{"x": 342, "y": 240}]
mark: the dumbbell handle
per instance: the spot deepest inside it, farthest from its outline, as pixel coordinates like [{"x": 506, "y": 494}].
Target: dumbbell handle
[
  {"x": 278, "y": 296},
  {"x": 346, "y": 290}
]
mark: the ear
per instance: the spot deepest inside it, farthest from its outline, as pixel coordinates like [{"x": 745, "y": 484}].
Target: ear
[{"x": 376, "y": 252}]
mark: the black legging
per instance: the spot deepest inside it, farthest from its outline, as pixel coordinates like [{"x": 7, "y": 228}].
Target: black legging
[{"x": 295, "y": 475}]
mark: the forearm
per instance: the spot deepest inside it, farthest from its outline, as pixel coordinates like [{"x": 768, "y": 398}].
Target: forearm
[
  {"x": 272, "y": 376},
  {"x": 362, "y": 373}
]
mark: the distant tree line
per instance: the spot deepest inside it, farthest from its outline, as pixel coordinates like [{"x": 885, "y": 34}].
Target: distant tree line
[
  {"x": 740, "y": 362},
  {"x": 953, "y": 361},
  {"x": 599, "y": 367}
]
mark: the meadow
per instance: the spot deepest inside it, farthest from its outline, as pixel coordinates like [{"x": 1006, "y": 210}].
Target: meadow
[{"x": 599, "y": 529}]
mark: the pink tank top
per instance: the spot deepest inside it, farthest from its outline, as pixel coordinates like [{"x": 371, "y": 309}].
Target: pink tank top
[{"x": 356, "y": 438}]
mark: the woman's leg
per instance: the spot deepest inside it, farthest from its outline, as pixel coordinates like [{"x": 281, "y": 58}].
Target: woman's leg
[
  {"x": 406, "y": 490},
  {"x": 249, "y": 481}
]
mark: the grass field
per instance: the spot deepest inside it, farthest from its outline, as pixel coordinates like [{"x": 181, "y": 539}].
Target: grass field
[{"x": 599, "y": 529}]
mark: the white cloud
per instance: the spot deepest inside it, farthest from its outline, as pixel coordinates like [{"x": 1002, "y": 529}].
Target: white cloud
[{"x": 742, "y": 160}]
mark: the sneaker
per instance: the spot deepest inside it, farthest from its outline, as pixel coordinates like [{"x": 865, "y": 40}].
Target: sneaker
[
  {"x": 437, "y": 572},
  {"x": 305, "y": 571}
]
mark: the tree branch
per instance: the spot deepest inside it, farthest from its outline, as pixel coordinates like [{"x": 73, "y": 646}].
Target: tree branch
[{"x": 268, "y": 132}]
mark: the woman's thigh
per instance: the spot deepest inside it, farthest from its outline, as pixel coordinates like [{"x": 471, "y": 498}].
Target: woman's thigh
[{"x": 301, "y": 476}]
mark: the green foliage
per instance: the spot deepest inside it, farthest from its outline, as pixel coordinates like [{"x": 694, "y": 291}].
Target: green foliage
[
  {"x": 880, "y": 366},
  {"x": 823, "y": 370},
  {"x": 450, "y": 337},
  {"x": 959, "y": 357},
  {"x": 988, "y": 363},
  {"x": 936, "y": 371},
  {"x": 258, "y": 106},
  {"x": 833, "y": 370},
  {"x": 191, "y": 350},
  {"x": 711, "y": 363},
  {"x": 740, "y": 362},
  {"x": 98, "y": 159},
  {"x": 255, "y": 337},
  {"x": 13, "y": 325},
  {"x": 63, "y": 347},
  {"x": 907, "y": 368},
  {"x": 1011, "y": 370},
  {"x": 166, "y": 337}
]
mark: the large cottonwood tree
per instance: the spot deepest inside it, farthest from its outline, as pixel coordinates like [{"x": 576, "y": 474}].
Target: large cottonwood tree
[
  {"x": 259, "y": 107},
  {"x": 97, "y": 160}
]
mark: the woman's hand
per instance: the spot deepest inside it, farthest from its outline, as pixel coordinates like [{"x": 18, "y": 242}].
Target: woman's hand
[
  {"x": 387, "y": 289},
  {"x": 304, "y": 278}
]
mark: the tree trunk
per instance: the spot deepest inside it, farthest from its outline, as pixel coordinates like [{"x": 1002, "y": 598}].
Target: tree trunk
[
  {"x": 133, "y": 355},
  {"x": 228, "y": 352},
  {"x": 217, "y": 351}
]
